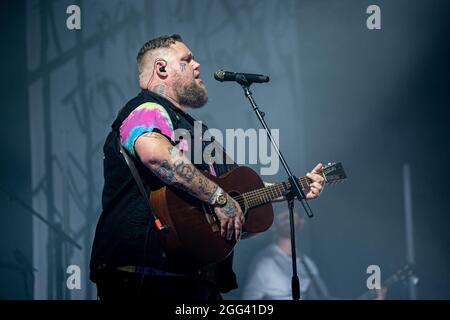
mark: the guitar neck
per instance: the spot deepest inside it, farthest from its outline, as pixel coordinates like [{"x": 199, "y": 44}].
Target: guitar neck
[
  {"x": 332, "y": 173},
  {"x": 269, "y": 194}
]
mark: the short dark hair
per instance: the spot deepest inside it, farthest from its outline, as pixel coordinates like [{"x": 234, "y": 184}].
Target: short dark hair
[{"x": 160, "y": 42}]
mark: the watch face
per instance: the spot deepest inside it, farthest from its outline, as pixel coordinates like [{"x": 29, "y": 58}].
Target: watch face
[{"x": 221, "y": 200}]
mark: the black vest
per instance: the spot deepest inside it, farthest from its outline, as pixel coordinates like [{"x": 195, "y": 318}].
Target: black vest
[{"x": 123, "y": 224}]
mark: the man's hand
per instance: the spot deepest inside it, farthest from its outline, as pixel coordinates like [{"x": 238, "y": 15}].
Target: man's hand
[
  {"x": 231, "y": 219},
  {"x": 174, "y": 169},
  {"x": 317, "y": 184}
]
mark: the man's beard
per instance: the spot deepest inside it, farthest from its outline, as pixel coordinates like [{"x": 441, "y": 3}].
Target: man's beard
[{"x": 191, "y": 95}]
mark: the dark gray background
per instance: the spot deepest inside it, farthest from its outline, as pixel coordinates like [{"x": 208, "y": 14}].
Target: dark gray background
[{"x": 373, "y": 99}]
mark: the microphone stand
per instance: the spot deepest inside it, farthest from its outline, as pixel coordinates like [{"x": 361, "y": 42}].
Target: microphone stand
[{"x": 293, "y": 192}]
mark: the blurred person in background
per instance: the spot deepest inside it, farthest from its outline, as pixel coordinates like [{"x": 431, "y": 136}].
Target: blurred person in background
[{"x": 270, "y": 272}]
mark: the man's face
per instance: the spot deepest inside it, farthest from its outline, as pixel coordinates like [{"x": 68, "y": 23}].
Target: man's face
[
  {"x": 283, "y": 226},
  {"x": 189, "y": 88}
]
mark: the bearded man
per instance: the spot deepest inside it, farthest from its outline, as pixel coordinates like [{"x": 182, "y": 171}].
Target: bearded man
[{"x": 128, "y": 259}]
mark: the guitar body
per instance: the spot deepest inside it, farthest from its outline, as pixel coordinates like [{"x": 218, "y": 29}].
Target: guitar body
[{"x": 193, "y": 237}]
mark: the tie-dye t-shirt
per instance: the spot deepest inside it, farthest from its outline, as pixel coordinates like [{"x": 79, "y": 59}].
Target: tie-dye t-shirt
[{"x": 145, "y": 118}]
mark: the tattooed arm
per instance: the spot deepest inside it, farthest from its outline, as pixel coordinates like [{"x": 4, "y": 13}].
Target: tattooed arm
[
  {"x": 172, "y": 167},
  {"x": 175, "y": 169}
]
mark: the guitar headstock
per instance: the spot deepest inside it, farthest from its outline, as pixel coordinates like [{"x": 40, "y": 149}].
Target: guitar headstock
[{"x": 333, "y": 173}]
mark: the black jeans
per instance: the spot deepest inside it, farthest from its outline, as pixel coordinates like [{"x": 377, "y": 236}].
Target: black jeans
[{"x": 121, "y": 285}]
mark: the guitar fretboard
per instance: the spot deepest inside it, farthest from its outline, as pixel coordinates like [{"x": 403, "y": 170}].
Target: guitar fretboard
[{"x": 268, "y": 194}]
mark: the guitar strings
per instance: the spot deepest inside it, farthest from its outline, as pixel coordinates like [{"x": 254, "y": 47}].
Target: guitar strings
[
  {"x": 263, "y": 195},
  {"x": 254, "y": 197},
  {"x": 258, "y": 194},
  {"x": 270, "y": 191}
]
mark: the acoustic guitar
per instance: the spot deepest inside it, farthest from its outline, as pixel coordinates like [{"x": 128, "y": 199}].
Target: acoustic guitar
[{"x": 192, "y": 238}]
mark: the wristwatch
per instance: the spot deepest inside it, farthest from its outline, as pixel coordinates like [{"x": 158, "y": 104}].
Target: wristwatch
[{"x": 220, "y": 198}]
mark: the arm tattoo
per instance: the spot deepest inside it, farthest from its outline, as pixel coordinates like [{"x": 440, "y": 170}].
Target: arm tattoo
[
  {"x": 165, "y": 171},
  {"x": 181, "y": 168},
  {"x": 184, "y": 170},
  {"x": 174, "y": 152},
  {"x": 230, "y": 208},
  {"x": 180, "y": 173},
  {"x": 206, "y": 188}
]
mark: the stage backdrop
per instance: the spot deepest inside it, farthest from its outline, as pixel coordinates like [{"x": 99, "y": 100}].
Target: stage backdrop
[{"x": 374, "y": 99}]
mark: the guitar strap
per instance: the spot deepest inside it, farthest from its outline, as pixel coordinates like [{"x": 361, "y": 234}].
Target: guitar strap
[{"x": 140, "y": 185}]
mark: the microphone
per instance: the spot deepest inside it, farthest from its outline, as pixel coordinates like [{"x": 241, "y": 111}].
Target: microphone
[{"x": 241, "y": 78}]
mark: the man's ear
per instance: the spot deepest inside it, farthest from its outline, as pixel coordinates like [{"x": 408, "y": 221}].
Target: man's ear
[{"x": 160, "y": 67}]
